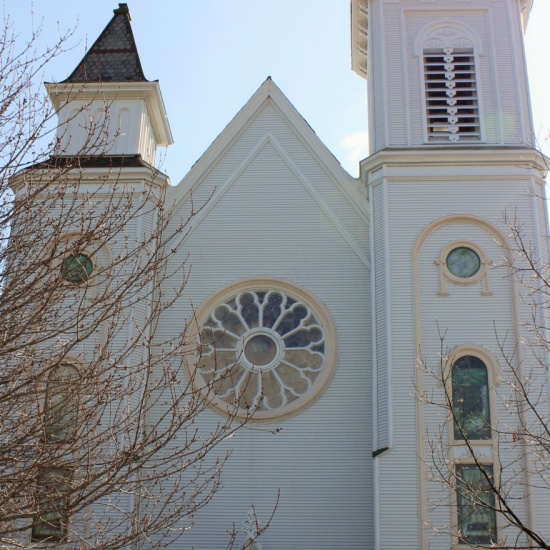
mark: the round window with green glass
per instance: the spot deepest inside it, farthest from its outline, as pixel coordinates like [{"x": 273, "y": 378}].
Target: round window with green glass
[
  {"x": 77, "y": 268},
  {"x": 463, "y": 262}
]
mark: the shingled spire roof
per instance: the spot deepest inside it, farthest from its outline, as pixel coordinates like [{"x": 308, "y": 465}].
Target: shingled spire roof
[{"x": 113, "y": 56}]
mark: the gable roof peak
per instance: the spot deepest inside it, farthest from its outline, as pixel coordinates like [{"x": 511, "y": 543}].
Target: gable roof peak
[{"x": 113, "y": 57}]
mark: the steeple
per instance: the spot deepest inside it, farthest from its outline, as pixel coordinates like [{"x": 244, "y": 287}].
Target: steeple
[
  {"x": 452, "y": 171},
  {"x": 113, "y": 56},
  {"x": 107, "y": 107}
]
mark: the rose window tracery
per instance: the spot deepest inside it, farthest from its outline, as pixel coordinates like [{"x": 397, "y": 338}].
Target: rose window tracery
[{"x": 262, "y": 353}]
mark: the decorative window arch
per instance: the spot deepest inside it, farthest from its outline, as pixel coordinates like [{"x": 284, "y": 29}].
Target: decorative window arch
[
  {"x": 473, "y": 372},
  {"x": 123, "y": 130},
  {"x": 449, "y": 52},
  {"x": 62, "y": 402},
  {"x": 68, "y": 130},
  {"x": 99, "y": 129},
  {"x": 265, "y": 350}
]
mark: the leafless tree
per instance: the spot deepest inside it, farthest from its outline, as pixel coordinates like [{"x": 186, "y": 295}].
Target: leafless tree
[{"x": 98, "y": 440}]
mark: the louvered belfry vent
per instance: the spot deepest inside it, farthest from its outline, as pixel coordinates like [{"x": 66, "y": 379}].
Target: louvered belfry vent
[{"x": 451, "y": 95}]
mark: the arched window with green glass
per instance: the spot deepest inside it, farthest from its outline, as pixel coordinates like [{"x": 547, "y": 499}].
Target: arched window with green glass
[
  {"x": 62, "y": 402},
  {"x": 472, "y": 416}
]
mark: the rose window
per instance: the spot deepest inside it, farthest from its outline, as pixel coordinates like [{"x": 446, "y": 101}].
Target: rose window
[{"x": 263, "y": 353}]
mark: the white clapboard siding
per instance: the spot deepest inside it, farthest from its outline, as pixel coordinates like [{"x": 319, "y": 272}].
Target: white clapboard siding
[
  {"x": 377, "y": 83},
  {"x": 283, "y": 214},
  {"x": 397, "y": 104},
  {"x": 381, "y": 366},
  {"x": 275, "y": 119},
  {"x": 412, "y": 206},
  {"x": 542, "y": 221},
  {"x": 396, "y": 87}
]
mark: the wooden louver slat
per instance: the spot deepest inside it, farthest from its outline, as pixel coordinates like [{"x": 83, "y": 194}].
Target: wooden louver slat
[{"x": 451, "y": 95}]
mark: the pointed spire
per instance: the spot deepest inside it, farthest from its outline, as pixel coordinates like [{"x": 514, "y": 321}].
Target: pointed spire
[{"x": 113, "y": 56}]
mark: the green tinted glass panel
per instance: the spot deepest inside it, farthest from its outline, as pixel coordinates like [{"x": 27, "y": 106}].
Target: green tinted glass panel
[
  {"x": 76, "y": 268},
  {"x": 463, "y": 262},
  {"x": 471, "y": 399},
  {"x": 476, "y": 519}
]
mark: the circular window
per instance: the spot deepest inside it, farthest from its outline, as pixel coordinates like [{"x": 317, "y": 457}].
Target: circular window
[
  {"x": 263, "y": 352},
  {"x": 463, "y": 262},
  {"x": 77, "y": 268}
]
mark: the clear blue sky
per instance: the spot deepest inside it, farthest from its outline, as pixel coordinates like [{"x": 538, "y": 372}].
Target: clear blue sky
[{"x": 210, "y": 57}]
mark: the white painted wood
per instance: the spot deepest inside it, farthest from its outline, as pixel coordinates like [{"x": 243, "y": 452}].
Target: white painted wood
[
  {"x": 396, "y": 67},
  {"x": 268, "y": 201},
  {"x": 418, "y": 194},
  {"x": 110, "y": 119},
  {"x": 276, "y": 206}
]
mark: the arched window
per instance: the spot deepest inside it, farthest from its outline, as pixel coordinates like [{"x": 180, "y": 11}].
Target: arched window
[
  {"x": 62, "y": 402},
  {"x": 472, "y": 419}
]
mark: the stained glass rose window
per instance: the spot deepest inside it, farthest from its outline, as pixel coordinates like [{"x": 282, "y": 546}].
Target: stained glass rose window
[{"x": 263, "y": 352}]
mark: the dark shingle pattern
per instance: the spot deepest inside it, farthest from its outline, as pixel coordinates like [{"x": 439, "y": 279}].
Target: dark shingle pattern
[{"x": 113, "y": 56}]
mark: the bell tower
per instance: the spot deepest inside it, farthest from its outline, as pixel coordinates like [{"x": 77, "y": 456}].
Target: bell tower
[
  {"x": 452, "y": 168},
  {"x": 92, "y": 214},
  {"x": 443, "y": 72}
]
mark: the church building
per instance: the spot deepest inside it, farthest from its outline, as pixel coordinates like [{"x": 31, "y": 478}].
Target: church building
[{"x": 333, "y": 313}]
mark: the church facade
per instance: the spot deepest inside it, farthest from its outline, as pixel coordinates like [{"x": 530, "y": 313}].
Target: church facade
[{"x": 338, "y": 309}]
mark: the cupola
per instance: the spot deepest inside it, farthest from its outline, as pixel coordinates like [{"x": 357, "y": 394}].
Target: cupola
[{"x": 107, "y": 107}]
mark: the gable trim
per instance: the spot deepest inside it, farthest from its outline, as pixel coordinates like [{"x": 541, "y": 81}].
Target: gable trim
[
  {"x": 270, "y": 139},
  {"x": 269, "y": 92}
]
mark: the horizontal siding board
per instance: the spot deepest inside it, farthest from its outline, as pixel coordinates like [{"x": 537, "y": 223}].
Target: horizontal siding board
[
  {"x": 267, "y": 224},
  {"x": 394, "y": 57},
  {"x": 413, "y": 205},
  {"x": 381, "y": 342}
]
